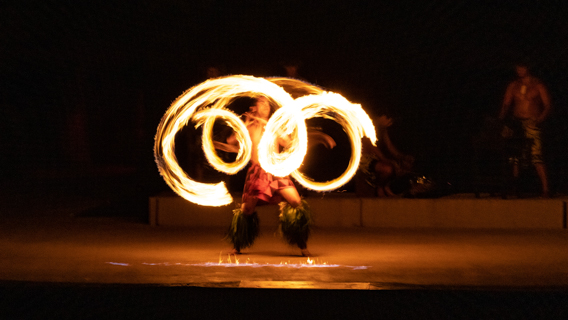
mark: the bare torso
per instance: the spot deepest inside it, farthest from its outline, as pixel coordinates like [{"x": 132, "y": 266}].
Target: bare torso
[
  {"x": 255, "y": 129},
  {"x": 527, "y": 102},
  {"x": 528, "y": 98}
]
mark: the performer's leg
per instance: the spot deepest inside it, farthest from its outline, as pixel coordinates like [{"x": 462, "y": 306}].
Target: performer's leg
[
  {"x": 245, "y": 225},
  {"x": 291, "y": 196},
  {"x": 383, "y": 172},
  {"x": 249, "y": 204},
  {"x": 515, "y": 179},
  {"x": 541, "y": 172},
  {"x": 295, "y": 220},
  {"x": 515, "y": 170},
  {"x": 243, "y": 230},
  {"x": 536, "y": 156}
]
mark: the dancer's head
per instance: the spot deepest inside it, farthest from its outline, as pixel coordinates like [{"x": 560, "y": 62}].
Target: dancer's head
[
  {"x": 523, "y": 67},
  {"x": 262, "y": 108},
  {"x": 522, "y": 70}
]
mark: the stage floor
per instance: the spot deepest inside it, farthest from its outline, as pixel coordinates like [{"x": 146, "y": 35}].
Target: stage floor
[
  {"x": 115, "y": 250},
  {"x": 94, "y": 267}
]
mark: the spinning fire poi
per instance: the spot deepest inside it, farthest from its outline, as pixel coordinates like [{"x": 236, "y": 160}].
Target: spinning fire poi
[{"x": 274, "y": 138}]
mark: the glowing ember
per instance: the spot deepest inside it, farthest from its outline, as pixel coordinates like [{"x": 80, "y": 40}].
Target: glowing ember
[{"x": 206, "y": 102}]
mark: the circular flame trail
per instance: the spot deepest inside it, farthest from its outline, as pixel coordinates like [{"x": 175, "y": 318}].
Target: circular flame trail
[
  {"x": 356, "y": 124},
  {"x": 211, "y": 94},
  {"x": 206, "y": 102},
  {"x": 207, "y": 117}
]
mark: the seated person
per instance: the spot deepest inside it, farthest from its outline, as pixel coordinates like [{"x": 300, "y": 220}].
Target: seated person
[{"x": 383, "y": 163}]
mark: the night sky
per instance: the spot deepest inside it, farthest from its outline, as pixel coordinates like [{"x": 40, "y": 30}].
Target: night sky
[{"x": 85, "y": 83}]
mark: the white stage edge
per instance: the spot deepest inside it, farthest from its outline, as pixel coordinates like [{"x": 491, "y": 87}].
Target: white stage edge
[{"x": 346, "y": 210}]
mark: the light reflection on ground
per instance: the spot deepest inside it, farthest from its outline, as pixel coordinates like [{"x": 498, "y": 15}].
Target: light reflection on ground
[
  {"x": 234, "y": 262},
  {"x": 119, "y": 264}
]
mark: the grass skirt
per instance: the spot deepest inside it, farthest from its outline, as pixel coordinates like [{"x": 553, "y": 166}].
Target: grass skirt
[
  {"x": 295, "y": 223},
  {"x": 244, "y": 229}
]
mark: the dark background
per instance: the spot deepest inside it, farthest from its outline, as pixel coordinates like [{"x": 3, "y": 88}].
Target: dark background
[{"x": 85, "y": 83}]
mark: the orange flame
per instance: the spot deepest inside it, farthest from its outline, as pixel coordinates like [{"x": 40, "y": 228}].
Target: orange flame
[
  {"x": 206, "y": 102},
  {"x": 211, "y": 94}
]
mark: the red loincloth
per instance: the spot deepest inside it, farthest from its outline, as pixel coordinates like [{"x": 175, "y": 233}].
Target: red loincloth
[{"x": 264, "y": 186}]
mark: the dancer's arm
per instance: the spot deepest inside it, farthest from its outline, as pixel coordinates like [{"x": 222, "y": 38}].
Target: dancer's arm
[
  {"x": 545, "y": 98},
  {"x": 316, "y": 137},
  {"x": 226, "y": 147},
  {"x": 232, "y": 144},
  {"x": 250, "y": 117}
]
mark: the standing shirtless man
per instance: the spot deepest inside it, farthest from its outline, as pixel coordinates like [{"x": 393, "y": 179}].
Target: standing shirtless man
[{"x": 531, "y": 106}]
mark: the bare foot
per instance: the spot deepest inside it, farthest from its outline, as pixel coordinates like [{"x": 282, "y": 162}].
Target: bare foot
[
  {"x": 235, "y": 251},
  {"x": 306, "y": 253}
]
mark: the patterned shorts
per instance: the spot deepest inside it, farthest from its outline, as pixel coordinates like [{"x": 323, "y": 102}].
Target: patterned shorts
[{"x": 532, "y": 149}]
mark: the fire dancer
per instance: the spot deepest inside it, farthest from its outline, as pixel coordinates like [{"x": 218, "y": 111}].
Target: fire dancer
[{"x": 263, "y": 188}]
